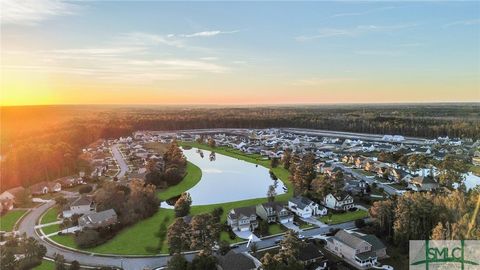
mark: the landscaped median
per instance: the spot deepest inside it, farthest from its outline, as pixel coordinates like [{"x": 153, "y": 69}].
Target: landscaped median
[
  {"x": 344, "y": 217},
  {"x": 141, "y": 239},
  {"x": 8, "y": 221}
]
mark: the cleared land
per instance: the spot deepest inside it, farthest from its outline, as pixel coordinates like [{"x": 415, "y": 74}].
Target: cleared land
[
  {"x": 344, "y": 217},
  {"x": 141, "y": 239},
  {"x": 8, "y": 220}
]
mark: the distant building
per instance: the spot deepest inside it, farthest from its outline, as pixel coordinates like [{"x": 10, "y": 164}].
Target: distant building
[
  {"x": 423, "y": 183},
  {"x": 8, "y": 198},
  {"x": 339, "y": 201},
  {"x": 45, "y": 187},
  {"x": 235, "y": 261}
]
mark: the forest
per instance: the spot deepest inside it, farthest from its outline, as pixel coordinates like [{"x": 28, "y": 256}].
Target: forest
[{"x": 41, "y": 143}]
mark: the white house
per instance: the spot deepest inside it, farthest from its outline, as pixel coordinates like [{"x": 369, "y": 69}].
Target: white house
[
  {"x": 305, "y": 208},
  {"x": 80, "y": 206},
  {"x": 341, "y": 201}
]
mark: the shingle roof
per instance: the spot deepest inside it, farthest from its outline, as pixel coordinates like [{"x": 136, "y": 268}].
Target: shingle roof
[
  {"x": 236, "y": 261},
  {"x": 309, "y": 252},
  {"x": 349, "y": 239},
  {"x": 100, "y": 216},
  {"x": 301, "y": 201},
  {"x": 242, "y": 211}
]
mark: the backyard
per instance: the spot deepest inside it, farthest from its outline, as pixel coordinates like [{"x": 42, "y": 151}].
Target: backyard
[{"x": 344, "y": 217}]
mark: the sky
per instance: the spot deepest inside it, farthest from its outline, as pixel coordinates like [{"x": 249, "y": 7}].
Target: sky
[{"x": 153, "y": 52}]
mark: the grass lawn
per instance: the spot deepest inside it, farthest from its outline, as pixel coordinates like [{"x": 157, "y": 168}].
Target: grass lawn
[
  {"x": 50, "y": 216},
  {"x": 475, "y": 169},
  {"x": 275, "y": 229},
  {"x": 137, "y": 239},
  {"x": 46, "y": 265},
  {"x": 8, "y": 220},
  {"x": 226, "y": 237},
  {"x": 344, "y": 217},
  {"x": 194, "y": 174},
  {"x": 51, "y": 229}
]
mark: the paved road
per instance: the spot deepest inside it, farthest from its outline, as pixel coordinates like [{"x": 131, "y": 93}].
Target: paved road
[
  {"x": 120, "y": 161},
  {"x": 28, "y": 224},
  {"x": 135, "y": 263}
]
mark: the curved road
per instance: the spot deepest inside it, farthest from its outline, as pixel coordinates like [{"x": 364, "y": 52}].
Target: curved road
[{"x": 27, "y": 226}]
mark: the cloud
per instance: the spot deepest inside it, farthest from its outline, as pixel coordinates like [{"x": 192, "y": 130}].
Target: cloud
[
  {"x": 360, "y": 13},
  {"x": 148, "y": 39},
  {"x": 181, "y": 64},
  {"x": 379, "y": 53},
  {"x": 352, "y": 32},
  {"x": 463, "y": 23},
  {"x": 204, "y": 34},
  {"x": 31, "y": 12}
]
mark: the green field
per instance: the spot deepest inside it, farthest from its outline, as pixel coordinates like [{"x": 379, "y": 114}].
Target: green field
[
  {"x": 46, "y": 265},
  {"x": 192, "y": 177},
  {"x": 8, "y": 220},
  {"x": 50, "y": 216},
  {"x": 344, "y": 217},
  {"x": 51, "y": 229},
  {"x": 139, "y": 238}
]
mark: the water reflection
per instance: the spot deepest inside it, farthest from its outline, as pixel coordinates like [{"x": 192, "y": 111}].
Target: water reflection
[{"x": 226, "y": 179}]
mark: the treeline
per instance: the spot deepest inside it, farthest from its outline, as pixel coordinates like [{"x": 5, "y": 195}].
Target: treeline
[
  {"x": 427, "y": 216},
  {"x": 35, "y": 140}
]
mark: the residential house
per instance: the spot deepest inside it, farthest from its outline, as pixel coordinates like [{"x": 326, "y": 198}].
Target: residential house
[
  {"x": 45, "y": 187},
  {"x": 8, "y": 198},
  {"x": 98, "y": 219},
  {"x": 309, "y": 254},
  {"x": 338, "y": 201},
  {"x": 80, "y": 206},
  {"x": 242, "y": 219},
  {"x": 423, "y": 183},
  {"x": 361, "y": 250},
  {"x": 396, "y": 175},
  {"x": 274, "y": 212},
  {"x": 381, "y": 169},
  {"x": 236, "y": 261},
  {"x": 305, "y": 208}
]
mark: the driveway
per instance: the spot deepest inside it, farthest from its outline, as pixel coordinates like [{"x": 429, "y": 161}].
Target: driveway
[
  {"x": 246, "y": 235},
  {"x": 120, "y": 161},
  {"x": 291, "y": 226}
]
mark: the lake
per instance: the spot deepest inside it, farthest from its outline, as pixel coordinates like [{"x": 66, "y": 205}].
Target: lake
[{"x": 227, "y": 179}]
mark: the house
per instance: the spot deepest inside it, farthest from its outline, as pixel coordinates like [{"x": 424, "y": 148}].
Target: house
[
  {"x": 361, "y": 250},
  {"x": 305, "y": 208},
  {"x": 8, "y": 198},
  {"x": 242, "y": 219},
  {"x": 382, "y": 170},
  {"x": 274, "y": 212},
  {"x": 338, "y": 201},
  {"x": 45, "y": 187},
  {"x": 80, "y": 206},
  {"x": 235, "y": 261},
  {"x": 423, "y": 183},
  {"x": 310, "y": 254},
  {"x": 396, "y": 175},
  {"x": 98, "y": 219}
]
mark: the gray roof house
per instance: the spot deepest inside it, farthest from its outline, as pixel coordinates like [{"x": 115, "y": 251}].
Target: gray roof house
[
  {"x": 235, "y": 261},
  {"x": 274, "y": 212},
  {"x": 360, "y": 250},
  {"x": 243, "y": 218},
  {"x": 98, "y": 219}
]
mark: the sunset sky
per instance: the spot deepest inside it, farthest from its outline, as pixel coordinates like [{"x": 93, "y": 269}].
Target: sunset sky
[{"x": 152, "y": 52}]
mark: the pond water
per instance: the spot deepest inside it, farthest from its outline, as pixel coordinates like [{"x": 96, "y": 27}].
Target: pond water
[{"x": 227, "y": 179}]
